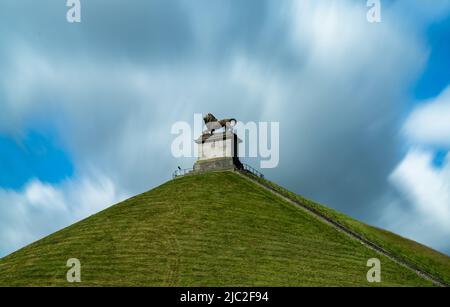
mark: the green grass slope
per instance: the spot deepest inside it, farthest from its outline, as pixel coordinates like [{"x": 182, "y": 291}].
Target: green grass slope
[
  {"x": 423, "y": 257},
  {"x": 214, "y": 229}
]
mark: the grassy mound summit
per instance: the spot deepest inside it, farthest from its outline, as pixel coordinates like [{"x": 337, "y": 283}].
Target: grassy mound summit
[{"x": 216, "y": 229}]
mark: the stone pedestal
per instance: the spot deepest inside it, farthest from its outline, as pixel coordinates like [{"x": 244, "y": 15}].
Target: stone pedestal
[{"x": 217, "y": 151}]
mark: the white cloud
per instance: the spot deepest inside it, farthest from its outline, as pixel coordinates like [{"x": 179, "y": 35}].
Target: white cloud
[
  {"x": 429, "y": 123},
  {"x": 425, "y": 214},
  {"x": 40, "y": 209},
  {"x": 427, "y": 187},
  {"x": 422, "y": 208}
]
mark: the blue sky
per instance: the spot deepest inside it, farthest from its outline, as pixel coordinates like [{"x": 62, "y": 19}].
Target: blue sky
[
  {"x": 33, "y": 156},
  {"x": 86, "y": 109},
  {"x": 436, "y": 75}
]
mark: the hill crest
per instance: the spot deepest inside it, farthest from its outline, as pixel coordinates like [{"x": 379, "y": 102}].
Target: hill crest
[{"x": 218, "y": 229}]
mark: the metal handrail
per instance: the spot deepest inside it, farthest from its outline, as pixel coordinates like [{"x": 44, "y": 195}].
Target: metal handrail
[
  {"x": 181, "y": 172},
  {"x": 245, "y": 167},
  {"x": 252, "y": 170}
]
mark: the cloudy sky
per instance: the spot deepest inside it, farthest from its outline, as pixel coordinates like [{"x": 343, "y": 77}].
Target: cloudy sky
[{"x": 86, "y": 108}]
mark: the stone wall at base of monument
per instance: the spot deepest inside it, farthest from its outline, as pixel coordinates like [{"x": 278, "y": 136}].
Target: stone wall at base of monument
[{"x": 217, "y": 164}]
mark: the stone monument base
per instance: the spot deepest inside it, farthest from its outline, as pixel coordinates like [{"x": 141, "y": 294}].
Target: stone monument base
[{"x": 223, "y": 163}]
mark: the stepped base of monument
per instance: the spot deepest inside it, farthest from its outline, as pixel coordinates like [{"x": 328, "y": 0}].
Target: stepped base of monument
[{"x": 217, "y": 164}]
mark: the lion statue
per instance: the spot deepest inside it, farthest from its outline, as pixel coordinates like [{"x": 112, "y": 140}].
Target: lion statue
[{"x": 212, "y": 123}]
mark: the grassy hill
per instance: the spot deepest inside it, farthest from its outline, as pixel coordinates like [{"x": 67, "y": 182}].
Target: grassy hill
[{"x": 215, "y": 229}]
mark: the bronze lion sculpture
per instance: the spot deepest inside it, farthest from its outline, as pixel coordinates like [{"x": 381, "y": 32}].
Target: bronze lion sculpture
[{"x": 212, "y": 123}]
